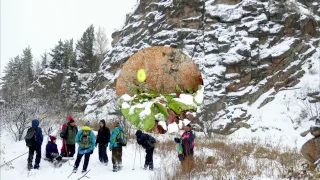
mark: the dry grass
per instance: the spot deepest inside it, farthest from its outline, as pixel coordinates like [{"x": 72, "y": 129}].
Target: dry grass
[{"x": 218, "y": 159}]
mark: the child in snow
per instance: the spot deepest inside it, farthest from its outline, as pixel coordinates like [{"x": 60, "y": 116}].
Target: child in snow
[
  {"x": 186, "y": 146},
  {"x": 147, "y": 142},
  {"x": 103, "y": 139},
  {"x": 52, "y": 151},
  {"x": 34, "y": 140},
  {"x": 115, "y": 147},
  {"x": 86, "y": 140}
]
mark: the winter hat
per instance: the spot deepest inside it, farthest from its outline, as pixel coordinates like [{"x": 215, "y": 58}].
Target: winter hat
[
  {"x": 103, "y": 121},
  {"x": 52, "y": 138},
  {"x": 87, "y": 123},
  {"x": 70, "y": 118},
  {"x": 71, "y": 121},
  {"x": 138, "y": 133}
]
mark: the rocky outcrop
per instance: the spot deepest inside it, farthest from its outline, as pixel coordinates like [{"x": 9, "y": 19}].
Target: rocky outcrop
[
  {"x": 243, "y": 49},
  {"x": 73, "y": 88}
]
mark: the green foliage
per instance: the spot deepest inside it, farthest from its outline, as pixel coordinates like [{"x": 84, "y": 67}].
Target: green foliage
[
  {"x": 178, "y": 89},
  {"x": 178, "y": 107},
  {"x": 87, "y": 60},
  {"x": 190, "y": 90},
  {"x": 162, "y": 109}
]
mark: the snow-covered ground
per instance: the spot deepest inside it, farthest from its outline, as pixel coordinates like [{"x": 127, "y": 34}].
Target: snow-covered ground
[{"x": 19, "y": 171}]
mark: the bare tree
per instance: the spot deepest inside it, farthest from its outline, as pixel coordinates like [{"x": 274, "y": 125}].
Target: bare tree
[{"x": 101, "y": 43}]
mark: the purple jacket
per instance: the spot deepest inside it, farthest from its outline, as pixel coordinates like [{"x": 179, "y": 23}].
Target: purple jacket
[{"x": 51, "y": 148}]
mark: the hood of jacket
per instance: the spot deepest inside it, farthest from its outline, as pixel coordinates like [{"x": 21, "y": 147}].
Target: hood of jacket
[{"x": 35, "y": 123}]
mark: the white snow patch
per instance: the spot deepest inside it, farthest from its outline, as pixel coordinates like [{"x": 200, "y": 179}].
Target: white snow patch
[
  {"x": 173, "y": 127},
  {"x": 163, "y": 124}
]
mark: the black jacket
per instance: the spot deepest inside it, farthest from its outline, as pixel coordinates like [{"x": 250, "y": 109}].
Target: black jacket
[
  {"x": 146, "y": 141},
  {"x": 103, "y": 136}
]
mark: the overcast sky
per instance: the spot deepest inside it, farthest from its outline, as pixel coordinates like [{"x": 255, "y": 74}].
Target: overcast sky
[{"x": 41, "y": 23}]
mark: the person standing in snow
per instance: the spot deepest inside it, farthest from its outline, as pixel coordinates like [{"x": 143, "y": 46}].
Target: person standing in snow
[
  {"x": 34, "y": 140},
  {"x": 102, "y": 141},
  {"x": 115, "y": 147},
  {"x": 186, "y": 146},
  {"x": 147, "y": 142},
  {"x": 52, "y": 151},
  {"x": 86, "y": 140},
  {"x": 68, "y": 135}
]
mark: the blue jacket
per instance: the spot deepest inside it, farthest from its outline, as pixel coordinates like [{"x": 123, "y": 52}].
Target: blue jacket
[
  {"x": 82, "y": 150},
  {"x": 51, "y": 148},
  {"x": 39, "y": 137},
  {"x": 113, "y": 142}
]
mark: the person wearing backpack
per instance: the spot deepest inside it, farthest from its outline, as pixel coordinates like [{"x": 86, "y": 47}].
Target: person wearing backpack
[
  {"x": 186, "y": 146},
  {"x": 52, "y": 152},
  {"x": 103, "y": 139},
  {"x": 147, "y": 142},
  {"x": 86, "y": 141},
  {"x": 68, "y": 135},
  {"x": 34, "y": 140},
  {"x": 117, "y": 135}
]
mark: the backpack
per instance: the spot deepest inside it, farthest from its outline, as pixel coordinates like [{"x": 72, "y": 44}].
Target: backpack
[
  {"x": 121, "y": 138},
  {"x": 85, "y": 141},
  {"x": 30, "y": 137}
]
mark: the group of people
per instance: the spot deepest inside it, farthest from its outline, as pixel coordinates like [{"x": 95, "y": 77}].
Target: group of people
[{"x": 87, "y": 142}]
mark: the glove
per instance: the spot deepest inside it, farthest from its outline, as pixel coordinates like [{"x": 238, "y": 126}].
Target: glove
[
  {"x": 91, "y": 152},
  {"x": 110, "y": 148},
  {"x": 177, "y": 140}
]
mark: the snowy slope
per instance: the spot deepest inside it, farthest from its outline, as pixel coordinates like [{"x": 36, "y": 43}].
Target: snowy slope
[{"x": 47, "y": 171}]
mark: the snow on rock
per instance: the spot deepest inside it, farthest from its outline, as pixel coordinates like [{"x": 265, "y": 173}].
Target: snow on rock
[
  {"x": 173, "y": 127},
  {"x": 250, "y": 54},
  {"x": 163, "y": 124}
]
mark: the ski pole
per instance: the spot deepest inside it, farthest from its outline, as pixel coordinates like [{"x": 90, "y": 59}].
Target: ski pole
[
  {"x": 134, "y": 160},
  {"x": 13, "y": 159},
  {"x": 140, "y": 157}
]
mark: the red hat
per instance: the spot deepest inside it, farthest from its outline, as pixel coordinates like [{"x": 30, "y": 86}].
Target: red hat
[
  {"x": 52, "y": 138},
  {"x": 70, "y": 118}
]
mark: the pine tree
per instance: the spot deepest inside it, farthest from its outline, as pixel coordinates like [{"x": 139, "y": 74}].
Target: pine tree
[
  {"x": 44, "y": 60},
  {"x": 86, "y": 59},
  {"x": 27, "y": 65},
  {"x": 57, "y": 56}
]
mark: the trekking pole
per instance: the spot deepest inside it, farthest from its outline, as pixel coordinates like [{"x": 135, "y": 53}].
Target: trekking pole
[
  {"x": 140, "y": 157},
  {"x": 134, "y": 160},
  {"x": 13, "y": 159}
]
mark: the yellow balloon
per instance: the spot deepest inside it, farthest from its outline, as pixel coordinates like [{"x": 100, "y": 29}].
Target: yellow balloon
[{"x": 141, "y": 75}]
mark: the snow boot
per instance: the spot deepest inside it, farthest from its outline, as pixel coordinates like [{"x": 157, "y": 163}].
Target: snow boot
[
  {"x": 29, "y": 166},
  {"x": 151, "y": 166},
  {"x": 106, "y": 163},
  {"x": 75, "y": 170},
  {"x": 36, "y": 166},
  {"x": 115, "y": 168},
  {"x": 83, "y": 171},
  {"x": 145, "y": 167},
  {"x": 120, "y": 166}
]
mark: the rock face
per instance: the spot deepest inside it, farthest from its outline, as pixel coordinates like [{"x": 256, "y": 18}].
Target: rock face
[
  {"x": 165, "y": 68},
  {"x": 243, "y": 49},
  {"x": 73, "y": 88}
]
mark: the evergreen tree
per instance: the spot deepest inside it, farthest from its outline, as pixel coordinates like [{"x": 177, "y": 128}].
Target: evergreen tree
[
  {"x": 57, "y": 56},
  {"x": 27, "y": 66},
  {"x": 86, "y": 59},
  {"x": 44, "y": 60}
]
